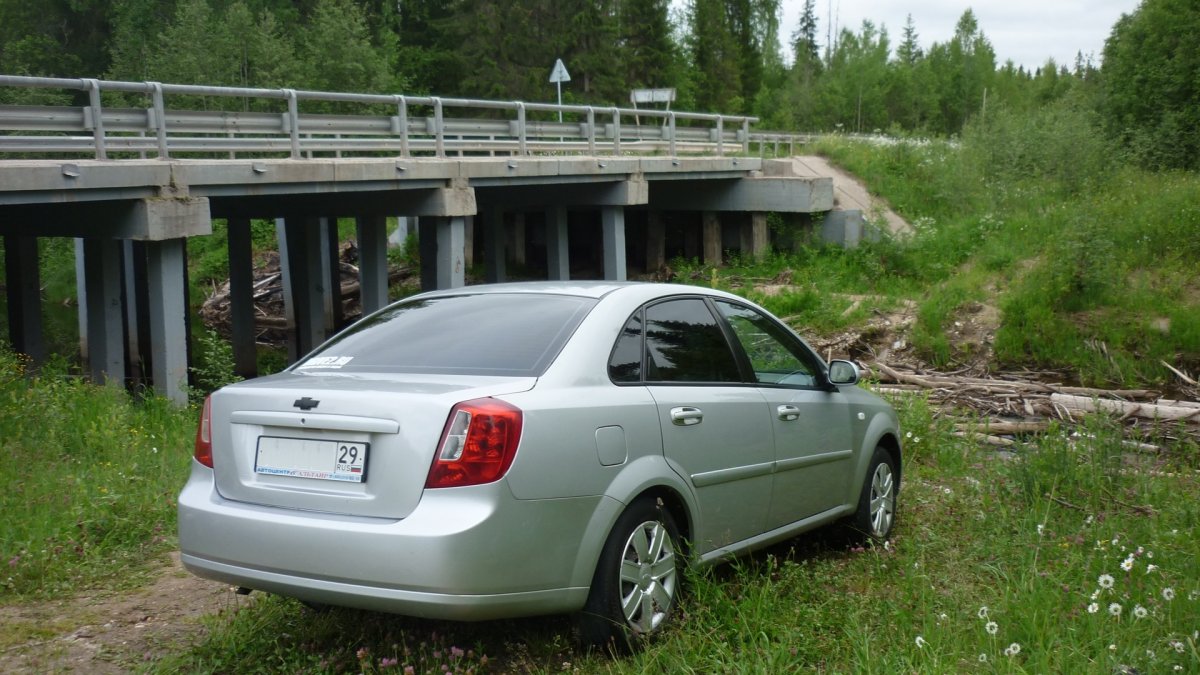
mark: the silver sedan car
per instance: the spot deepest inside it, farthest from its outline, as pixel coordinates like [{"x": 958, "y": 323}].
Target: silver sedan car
[{"x": 524, "y": 449}]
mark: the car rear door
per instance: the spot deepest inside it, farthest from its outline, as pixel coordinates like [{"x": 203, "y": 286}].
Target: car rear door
[
  {"x": 715, "y": 428},
  {"x": 811, "y": 422}
]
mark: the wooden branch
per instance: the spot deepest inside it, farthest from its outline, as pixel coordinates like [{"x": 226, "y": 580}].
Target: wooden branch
[
  {"x": 1180, "y": 374},
  {"x": 1126, "y": 408}
]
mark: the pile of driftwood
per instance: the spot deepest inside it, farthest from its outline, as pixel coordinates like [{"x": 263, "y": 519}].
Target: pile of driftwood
[
  {"x": 270, "y": 317},
  {"x": 1013, "y": 404}
]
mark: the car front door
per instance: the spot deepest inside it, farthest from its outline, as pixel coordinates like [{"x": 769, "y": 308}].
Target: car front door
[
  {"x": 715, "y": 429},
  {"x": 811, "y": 422}
]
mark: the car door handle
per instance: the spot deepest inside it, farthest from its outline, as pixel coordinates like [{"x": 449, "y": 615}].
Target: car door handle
[
  {"x": 686, "y": 416},
  {"x": 788, "y": 413}
]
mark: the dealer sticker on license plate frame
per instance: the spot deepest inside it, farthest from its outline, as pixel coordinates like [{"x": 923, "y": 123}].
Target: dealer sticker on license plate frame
[{"x": 344, "y": 461}]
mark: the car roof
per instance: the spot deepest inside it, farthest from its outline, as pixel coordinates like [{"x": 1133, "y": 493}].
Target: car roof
[{"x": 589, "y": 289}]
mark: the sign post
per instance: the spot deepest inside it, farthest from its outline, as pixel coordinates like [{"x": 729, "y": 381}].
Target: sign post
[{"x": 558, "y": 76}]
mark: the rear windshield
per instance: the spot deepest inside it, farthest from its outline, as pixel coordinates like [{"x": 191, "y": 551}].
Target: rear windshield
[{"x": 487, "y": 334}]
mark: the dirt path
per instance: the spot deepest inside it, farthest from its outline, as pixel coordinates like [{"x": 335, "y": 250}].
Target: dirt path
[
  {"x": 850, "y": 193},
  {"x": 110, "y": 631}
]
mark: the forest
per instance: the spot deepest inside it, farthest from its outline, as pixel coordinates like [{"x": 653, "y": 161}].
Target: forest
[{"x": 732, "y": 56}]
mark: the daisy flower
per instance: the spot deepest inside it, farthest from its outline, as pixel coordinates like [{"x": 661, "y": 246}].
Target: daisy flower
[
  {"x": 1139, "y": 611},
  {"x": 1013, "y": 649},
  {"x": 920, "y": 641},
  {"x": 1093, "y": 608},
  {"x": 992, "y": 628},
  {"x": 1105, "y": 581},
  {"x": 1115, "y": 609},
  {"x": 1168, "y": 594}
]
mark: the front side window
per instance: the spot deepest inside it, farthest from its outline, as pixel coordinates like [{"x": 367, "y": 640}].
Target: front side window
[
  {"x": 684, "y": 343},
  {"x": 774, "y": 357}
]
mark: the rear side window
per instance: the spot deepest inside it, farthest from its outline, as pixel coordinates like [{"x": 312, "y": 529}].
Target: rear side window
[
  {"x": 486, "y": 334},
  {"x": 684, "y": 343}
]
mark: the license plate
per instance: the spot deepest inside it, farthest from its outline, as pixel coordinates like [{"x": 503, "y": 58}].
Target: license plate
[{"x": 307, "y": 458}]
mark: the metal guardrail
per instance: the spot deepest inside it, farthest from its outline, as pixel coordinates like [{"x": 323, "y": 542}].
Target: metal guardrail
[{"x": 419, "y": 125}]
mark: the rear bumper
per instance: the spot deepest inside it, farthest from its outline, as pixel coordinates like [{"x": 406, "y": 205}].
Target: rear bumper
[{"x": 465, "y": 553}]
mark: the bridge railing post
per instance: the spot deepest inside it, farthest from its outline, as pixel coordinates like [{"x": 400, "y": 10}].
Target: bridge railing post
[
  {"x": 616, "y": 117},
  {"x": 438, "y": 128},
  {"x": 672, "y": 128},
  {"x": 720, "y": 135},
  {"x": 293, "y": 117},
  {"x": 591, "y": 122},
  {"x": 93, "y": 88},
  {"x": 746, "y": 135},
  {"x": 522, "y": 141},
  {"x": 159, "y": 118},
  {"x": 402, "y": 123}
]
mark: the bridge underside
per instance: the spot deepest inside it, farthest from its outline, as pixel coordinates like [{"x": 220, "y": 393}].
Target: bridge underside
[{"x": 131, "y": 218}]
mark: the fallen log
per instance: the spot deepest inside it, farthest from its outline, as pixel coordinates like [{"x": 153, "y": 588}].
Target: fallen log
[
  {"x": 985, "y": 438},
  {"x": 1127, "y": 408}
]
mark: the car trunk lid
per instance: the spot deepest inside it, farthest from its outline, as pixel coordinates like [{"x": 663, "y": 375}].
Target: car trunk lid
[{"x": 358, "y": 445}]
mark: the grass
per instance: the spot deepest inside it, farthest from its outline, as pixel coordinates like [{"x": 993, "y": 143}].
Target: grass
[
  {"x": 90, "y": 479},
  {"x": 1029, "y": 536}
]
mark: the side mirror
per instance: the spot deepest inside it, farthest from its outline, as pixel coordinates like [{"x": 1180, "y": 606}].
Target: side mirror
[{"x": 843, "y": 372}]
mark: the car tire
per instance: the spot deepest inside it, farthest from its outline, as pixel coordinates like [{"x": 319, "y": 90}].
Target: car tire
[
  {"x": 636, "y": 584},
  {"x": 876, "y": 513}
]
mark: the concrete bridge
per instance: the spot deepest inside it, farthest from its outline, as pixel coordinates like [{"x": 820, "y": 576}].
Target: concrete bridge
[{"x": 600, "y": 190}]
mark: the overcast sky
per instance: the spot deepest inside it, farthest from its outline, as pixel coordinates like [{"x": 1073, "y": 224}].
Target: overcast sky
[{"x": 1026, "y": 31}]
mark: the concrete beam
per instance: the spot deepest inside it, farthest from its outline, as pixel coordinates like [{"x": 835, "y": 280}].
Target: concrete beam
[
  {"x": 104, "y": 328},
  {"x": 372, "y": 262},
  {"x": 22, "y": 279},
  {"x": 781, "y": 195},
  {"x": 558, "y": 258},
  {"x": 612, "y": 226},
  {"x": 631, "y": 192},
  {"x": 241, "y": 300},
  {"x": 166, "y": 274},
  {"x": 412, "y": 201},
  {"x": 151, "y": 219}
]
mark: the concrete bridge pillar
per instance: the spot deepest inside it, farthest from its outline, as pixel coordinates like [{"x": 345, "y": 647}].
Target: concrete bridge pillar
[
  {"x": 104, "y": 323},
  {"x": 754, "y": 236},
  {"x": 241, "y": 300},
  {"x": 558, "y": 259},
  {"x": 711, "y": 226},
  {"x": 451, "y": 257},
  {"x": 372, "y": 262},
  {"x": 300, "y": 265},
  {"x": 136, "y": 299},
  {"x": 656, "y": 241},
  {"x": 612, "y": 225},
  {"x": 516, "y": 238},
  {"x": 166, "y": 277},
  {"x": 493, "y": 245},
  {"x": 22, "y": 279}
]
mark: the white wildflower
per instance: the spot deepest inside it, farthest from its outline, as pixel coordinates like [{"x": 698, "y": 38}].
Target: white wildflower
[
  {"x": 1168, "y": 594},
  {"x": 920, "y": 641},
  {"x": 983, "y": 658},
  {"x": 1105, "y": 581},
  {"x": 1115, "y": 609},
  {"x": 1040, "y": 528},
  {"x": 1127, "y": 564},
  {"x": 1151, "y": 567},
  {"x": 992, "y": 628},
  {"x": 1013, "y": 649},
  {"x": 1093, "y": 608},
  {"x": 983, "y": 612},
  {"x": 1139, "y": 612}
]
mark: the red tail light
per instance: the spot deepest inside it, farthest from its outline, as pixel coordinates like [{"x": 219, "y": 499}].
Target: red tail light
[
  {"x": 478, "y": 444},
  {"x": 203, "y": 453}
]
